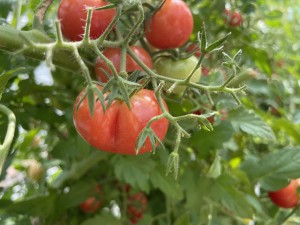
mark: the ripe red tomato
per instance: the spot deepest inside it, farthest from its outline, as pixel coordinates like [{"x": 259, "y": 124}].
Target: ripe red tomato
[
  {"x": 286, "y": 197},
  {"x": 92, "y": 204},
  {"x": 194, "y": 48},
  {"x": 171, "y": 26},
  {"x": 113, "y": 54},
  {"x": 234, "y": 19},
  {"x": 72, "y": 15},
  {"x": 179, "y": 69},
  {"x": 117, "y": 130}
]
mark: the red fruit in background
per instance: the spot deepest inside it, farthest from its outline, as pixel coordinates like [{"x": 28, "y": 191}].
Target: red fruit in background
[
  {"x": 72, "y": 15},
  {"x": 195, "y": 49},
  {"x": 94, "y": 203},
  {"x": 137, "y": 204},
  {"x": 205, "y": 71},
  {"x": 114, "y": 55},
  {"x": 286, "y": 197},
  {"x": 118, "y": 129},
  {"x": 211, "y": 119},
  {"x": 233, "y": 18},
  {"x": 171, "y": 26}
]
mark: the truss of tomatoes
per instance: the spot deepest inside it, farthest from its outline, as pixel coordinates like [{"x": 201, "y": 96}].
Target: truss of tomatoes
[{"x": 117, "y": 129}]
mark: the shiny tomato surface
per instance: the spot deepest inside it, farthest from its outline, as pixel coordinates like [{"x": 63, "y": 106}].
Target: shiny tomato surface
[
  {"x": 117, "y": 129},
  {"x": 114, "y": 55},
  {"x": 171, "y": 26},
  {"x": 72, "y": 15},
  {"x": 286, "y": 197}
]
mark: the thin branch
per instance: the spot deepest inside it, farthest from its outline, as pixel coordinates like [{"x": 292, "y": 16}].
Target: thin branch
[{"x": 40, "y": 14}]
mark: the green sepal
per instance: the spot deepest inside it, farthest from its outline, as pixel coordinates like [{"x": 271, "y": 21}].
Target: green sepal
[{"x": 217, "y": 45}]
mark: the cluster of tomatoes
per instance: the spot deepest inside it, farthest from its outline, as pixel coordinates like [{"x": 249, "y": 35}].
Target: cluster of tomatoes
[
  {"x": 118, "y": 129},
  {"x": 136, "y": 202},
  {"x": 288, "y": 196}
]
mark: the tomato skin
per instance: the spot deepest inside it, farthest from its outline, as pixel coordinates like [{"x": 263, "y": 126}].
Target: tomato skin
[
  {"x": 234, "y": 19},
  {"x": 114, "y": 55},
  {"x": 171, "y": 26},
  {"x": 117, "y": 130},
  {"x": 72, "y": 15},
  {"x": 286, "y": 197},
  {"x": 179, "y": 69}
]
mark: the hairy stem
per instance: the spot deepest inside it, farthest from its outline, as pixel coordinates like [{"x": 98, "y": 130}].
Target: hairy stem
[{"x": 4, "y": 147}]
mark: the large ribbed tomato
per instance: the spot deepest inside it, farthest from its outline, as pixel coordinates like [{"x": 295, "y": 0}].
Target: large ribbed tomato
[
  {"x": 118, "y": 128},
  {"x": 114, "y": 55},
  {"x": 72, "y": 15},
  {"x": 171, "y": 26}
]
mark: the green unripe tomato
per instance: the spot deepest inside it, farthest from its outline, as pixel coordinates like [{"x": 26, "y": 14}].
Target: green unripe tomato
[{"x": 179, "y": 69}]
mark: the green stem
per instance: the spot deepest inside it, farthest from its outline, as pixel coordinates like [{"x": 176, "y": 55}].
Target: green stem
[
  {"x": 104, "y": 35},
  {"x": 83, "y": 67},
  {"x": 17, "y": 15},
  {"x": 79, "y": 169},
  {"x": 106, "y": 60},
  {"x": 4, "y": 148},
  {"x": 137, "y": 25},
  {"x": 87, "y": 30},
  {"x": 182, "y": 82},
  {"x": 40, "y": 14}
]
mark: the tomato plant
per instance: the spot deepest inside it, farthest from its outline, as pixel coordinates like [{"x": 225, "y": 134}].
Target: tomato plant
[
  {"x": 179, "y": 69},
  {"x": 233, "y": 18},
  {"x": 118, "y": 128},
  {"x": 114, "y": 55},
  {"x": 286, "y": 197},
  {"x": 171, "y": 26},
  {"x": 73, "y": 13}
]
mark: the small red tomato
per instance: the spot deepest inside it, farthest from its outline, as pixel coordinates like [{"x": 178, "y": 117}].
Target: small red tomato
[
  {"x": 195, "y": 49},
  {"x": 234, "y": 19},
  {"x": 205, "y": 70},
  {"x": 92, "y": 204},
  {"x": 171, "y": 26},
  {"x": 211, "y": 119},
  {"x": 114, "y": 55},
  {"x": 72, "y": 15},
  {"x": 117, "y": 129},
  {"x": 286, "y": 197}
]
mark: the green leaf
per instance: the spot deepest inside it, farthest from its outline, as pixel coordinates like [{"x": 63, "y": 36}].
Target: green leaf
[
  {"x": 104, "y": 218},
  {"x": 215, "y": 169},
  {"x": 204, "y": 140},
  {"x": 134, "y": 170},
  {"x": 5, "y": 77},
  {"x": 40, "y": 205},
  {"x": 217, "y": 44},
  {"x": 78, "y": 193},
  {"x": 183, "y": 220},
  {"x": 166, "y": 184},
  {"x": 224, "y": 191},
  {"x": 250, "y": 123},
  {"x": 274, "y": 169}
]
